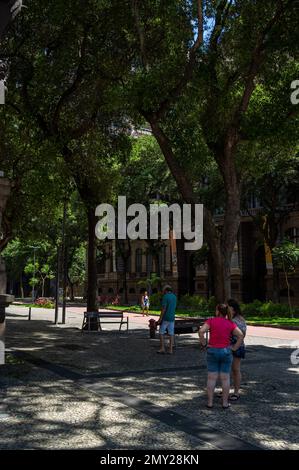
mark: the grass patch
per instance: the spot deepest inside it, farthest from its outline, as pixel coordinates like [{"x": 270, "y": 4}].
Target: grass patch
[
  {"x": 274, "y": 321},
  {"x": 250, "y": 319}
]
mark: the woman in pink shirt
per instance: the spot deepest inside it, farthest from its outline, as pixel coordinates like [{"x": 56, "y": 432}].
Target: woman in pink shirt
[{"x": 219, "y": 353}]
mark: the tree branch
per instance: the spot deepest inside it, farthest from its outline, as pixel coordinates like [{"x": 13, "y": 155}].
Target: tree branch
[
  {"x": 189, "y": 67},
  {"x": 74, "y": 86}
]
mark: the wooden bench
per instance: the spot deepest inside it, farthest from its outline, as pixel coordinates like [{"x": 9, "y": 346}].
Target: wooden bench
[{"x": 92, "y": 319}]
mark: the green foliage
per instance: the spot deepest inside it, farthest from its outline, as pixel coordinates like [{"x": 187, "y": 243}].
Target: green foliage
[
  {"x": 151, "y": 282},
  {"x": 286, "y": 256},
  {"x": 77, "y": 268},
  {"x": 196, "y": 302},
  {"x": 267, "y": 310},
  {"x": 156, "y": 300}
]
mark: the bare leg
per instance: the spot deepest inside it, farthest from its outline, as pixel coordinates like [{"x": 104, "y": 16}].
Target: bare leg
[
  {"x": 211, "y": 384},
  {"x": 225, "y": 382},
  {"x": 236, "y": 373},
  {"x": 170, "y": 344},
  {"x": 162, "y": 346}
]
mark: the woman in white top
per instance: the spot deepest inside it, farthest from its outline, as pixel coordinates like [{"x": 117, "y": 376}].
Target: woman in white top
[{"x": 145, "y": 303}]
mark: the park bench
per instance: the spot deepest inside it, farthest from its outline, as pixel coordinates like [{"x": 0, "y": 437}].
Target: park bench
[
  {"x": 181, "y": 326},
  {"x": 92, "y": 321},
  {"x": 187, "y": 326}
]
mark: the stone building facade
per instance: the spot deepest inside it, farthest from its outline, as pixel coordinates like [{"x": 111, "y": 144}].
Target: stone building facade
[{"x": 251, "y": 267}]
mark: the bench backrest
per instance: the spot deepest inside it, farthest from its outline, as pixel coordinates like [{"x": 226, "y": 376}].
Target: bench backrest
[{"x": 110, "y": 315}]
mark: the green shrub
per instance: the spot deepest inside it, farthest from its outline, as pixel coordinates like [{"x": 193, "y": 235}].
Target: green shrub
[
  {"x": 198, "y": 303},
  {"x": 155, "y": 300},
  {"x": 267, "y": 310}
]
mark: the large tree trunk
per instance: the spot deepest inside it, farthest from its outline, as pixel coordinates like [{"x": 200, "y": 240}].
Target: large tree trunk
[
  {"x": 91, "y": 262},
  {"x": 71, "y": 287},
  {"x": 211, "y": 233},
  {"x": 232, "y": 217}
]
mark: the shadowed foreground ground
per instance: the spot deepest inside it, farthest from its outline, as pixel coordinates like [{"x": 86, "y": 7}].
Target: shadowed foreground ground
[{"x": 62, "y": 389}]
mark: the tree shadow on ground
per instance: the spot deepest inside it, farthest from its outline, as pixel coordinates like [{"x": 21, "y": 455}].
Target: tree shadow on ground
[{"x": 55, "y": 412}]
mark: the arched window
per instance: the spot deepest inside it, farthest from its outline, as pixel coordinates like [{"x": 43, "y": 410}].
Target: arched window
[
  {"x": 110, "y": 290},
  {"x": 132, "y": 291},
  {"x": 138, "y": 260},
  {"x": 293, "y": 235}
]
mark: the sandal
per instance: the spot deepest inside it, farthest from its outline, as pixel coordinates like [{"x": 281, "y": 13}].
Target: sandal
[
  {"x": 226, "y": 407},
  {"x": 209, "y": 407},
  {"x": 234, "y": 397},
  {"x": 160, "y": 352}
]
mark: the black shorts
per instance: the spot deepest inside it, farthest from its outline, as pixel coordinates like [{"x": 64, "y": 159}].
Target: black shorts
[{"x": 240, "y": 353}]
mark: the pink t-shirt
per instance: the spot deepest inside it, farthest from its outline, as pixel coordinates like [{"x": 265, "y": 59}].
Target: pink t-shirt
[{"x": 220, "y": 332}]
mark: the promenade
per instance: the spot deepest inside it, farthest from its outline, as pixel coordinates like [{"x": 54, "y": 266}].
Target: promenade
[{"x": 64, "y": 389}]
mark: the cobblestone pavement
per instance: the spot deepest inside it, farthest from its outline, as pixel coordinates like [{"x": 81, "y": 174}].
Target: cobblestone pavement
[{"x": 63, "y": 389}]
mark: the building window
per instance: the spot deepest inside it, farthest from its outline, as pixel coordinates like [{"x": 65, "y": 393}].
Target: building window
[
  {"x": 110, "y": 290},
  {"x": 162, "y": 256},
  {"x": 138, "y": 260},
  {"x": 132, "y": 291},
  {"x": 128, "y": 264},
  {"x": 149, "y": 263},
  {"x": 293, "y": 235}
]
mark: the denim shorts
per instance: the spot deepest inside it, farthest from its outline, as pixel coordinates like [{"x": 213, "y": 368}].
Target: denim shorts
[
  {"x": 167, "y": 325},
  {"x": 219, "y": 360}
]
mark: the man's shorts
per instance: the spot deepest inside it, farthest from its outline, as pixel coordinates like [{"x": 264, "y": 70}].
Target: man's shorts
[
  {"x": 219, "y": 360},
  {"x": 167, "y": 325}
]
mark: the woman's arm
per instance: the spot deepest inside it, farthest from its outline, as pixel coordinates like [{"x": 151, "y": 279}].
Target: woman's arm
[
  {"x": 238, "y": 333},
  {"x": 204, "y": 329}
]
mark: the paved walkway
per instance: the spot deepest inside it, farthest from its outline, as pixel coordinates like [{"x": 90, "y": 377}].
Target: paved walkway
[{"x": 66, "y": 389}]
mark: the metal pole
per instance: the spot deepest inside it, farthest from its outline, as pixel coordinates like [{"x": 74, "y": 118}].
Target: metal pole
[
  {"x": 57, "y": 288},
  {"x": 64, "y": 264},
  {"x": 33, "y": 292}
]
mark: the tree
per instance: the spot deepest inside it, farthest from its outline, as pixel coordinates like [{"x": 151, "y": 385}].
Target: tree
[
  {"x": 40, "y": 275},
  {"x": 286, "y": 256},
  {"x": 224, "y": 78},
  {"x": 65, "y": 88},
  {"x": 76, "y": 268}
]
